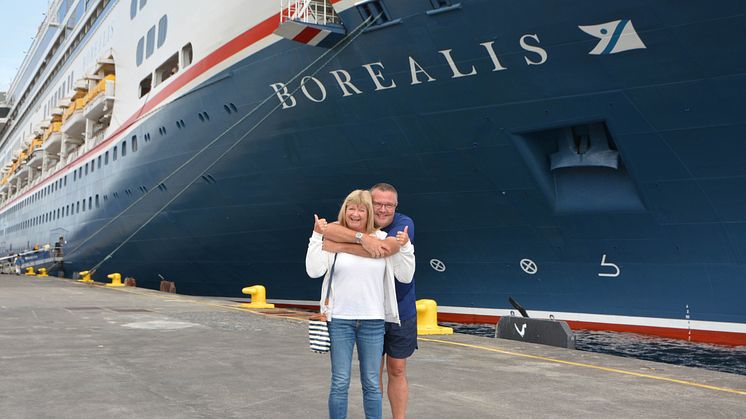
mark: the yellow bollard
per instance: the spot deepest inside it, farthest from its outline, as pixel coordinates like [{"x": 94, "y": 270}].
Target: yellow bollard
[
  {"x": 258, "y": 297},
  {"x": 42, "y": 272},
  {"x": 30, "y": 271},
  {"x": 116, "y": 280},
  {"x": 86, "y": 275},
  {"x": 427, "y": 319}
]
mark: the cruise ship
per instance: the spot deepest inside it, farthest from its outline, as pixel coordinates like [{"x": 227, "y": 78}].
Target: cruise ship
[{"x": 586, "y": 158}]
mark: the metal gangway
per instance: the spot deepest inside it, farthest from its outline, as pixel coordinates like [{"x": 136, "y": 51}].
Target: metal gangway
[
  {"x": 47, "y": 257},
  {"x": 319, "y": 12}
]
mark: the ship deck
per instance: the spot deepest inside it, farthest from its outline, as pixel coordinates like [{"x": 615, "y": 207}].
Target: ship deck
[{"x": 72, "y": 350}]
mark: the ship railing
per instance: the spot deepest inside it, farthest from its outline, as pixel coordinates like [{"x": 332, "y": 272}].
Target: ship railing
[
  {"x": 97, "y": 139},
  {"x": 72, "y": 156},
  {"x": 320, "y": 12}
]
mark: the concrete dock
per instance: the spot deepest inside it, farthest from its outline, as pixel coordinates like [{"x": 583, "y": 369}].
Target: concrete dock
[{"x": 71, "y": 350}]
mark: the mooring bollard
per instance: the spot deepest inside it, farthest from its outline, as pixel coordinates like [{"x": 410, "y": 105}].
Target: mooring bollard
[
  {"x": 30, "y": 271},
  {"x": 427, "y": 319},
  {"x": 258, "y": 297},
  {"x": 42, "y": 272},
  {"x": 86, "y": 275},
  {"x": 116, "y": 280}
]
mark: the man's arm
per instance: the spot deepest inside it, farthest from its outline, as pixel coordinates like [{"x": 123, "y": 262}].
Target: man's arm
[
  {"x": 350, "y": 248},
  {"x": 372, "y": 245}
]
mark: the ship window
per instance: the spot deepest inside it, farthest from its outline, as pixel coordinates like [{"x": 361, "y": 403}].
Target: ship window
[
  {"x": 134, "y": 143},
  {"x": 65, "y": 178},
  {"x": 75, "y": 175},
  {"x": 133, "y": 9},
  {"x": 99, "y": 162},
  {"x": 167, "y": 69},
  {"x": 124, "y": 148},
  {"x": 62, "y": 11},
  {"x": 90, "y": 202},
  {"x": 80, "y": 173},
  {"x": 162, "y": 30},
  {"x": 83, "y": 204},
  {"x": 77, "y": 207},
  {"x": 150, "y": 42},
  {"x": 106, "y": 157},
  {"x": 186, "y": 55},
  {"x": 86, "y": 169},
  {"x": 114, "y": 154},
  {"x": 96, "y": 200},
  {"x": 93, "y": 165},
  {"x": 145, "y": 85},
  {"x": 140, "y": 51}
]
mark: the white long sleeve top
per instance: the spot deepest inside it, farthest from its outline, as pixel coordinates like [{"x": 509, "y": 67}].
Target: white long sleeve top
[{"x": 399, "y": 267}]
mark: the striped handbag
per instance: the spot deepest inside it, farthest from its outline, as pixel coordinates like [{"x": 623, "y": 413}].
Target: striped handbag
[
  {"x": 318, "y": 334},
  {"x": 318, "y": 330}
]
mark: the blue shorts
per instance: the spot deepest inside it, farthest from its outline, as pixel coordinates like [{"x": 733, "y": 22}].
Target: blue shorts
[{"x": 400, "y": 341}]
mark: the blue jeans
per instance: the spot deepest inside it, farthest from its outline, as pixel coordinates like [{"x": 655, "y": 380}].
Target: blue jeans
[{"x": 344, "y": 334}]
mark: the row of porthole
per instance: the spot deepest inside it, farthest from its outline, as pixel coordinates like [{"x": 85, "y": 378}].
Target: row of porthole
[
  {"x": 73, "y": 209},
  {"x": 58, "y": 213},
  {"x": 83, "y": 170}
]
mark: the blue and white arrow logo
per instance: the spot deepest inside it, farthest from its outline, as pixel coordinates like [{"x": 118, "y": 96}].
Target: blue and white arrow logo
[{"x": 616, "y": 36}]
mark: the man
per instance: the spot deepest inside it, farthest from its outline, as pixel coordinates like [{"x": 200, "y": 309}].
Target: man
[
  {"x": 400, "y": 342},
  {"x": 58, "y": 247}
]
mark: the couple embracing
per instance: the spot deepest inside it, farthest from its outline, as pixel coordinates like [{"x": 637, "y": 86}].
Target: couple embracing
[{"x": 367, "y": 261}]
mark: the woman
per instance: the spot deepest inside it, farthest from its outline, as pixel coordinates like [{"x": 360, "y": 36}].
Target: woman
[{"x": 361, "y": 298}]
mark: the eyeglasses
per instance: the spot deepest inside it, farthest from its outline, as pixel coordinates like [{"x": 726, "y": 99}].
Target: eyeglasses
[{"x": 388, "y": 207}]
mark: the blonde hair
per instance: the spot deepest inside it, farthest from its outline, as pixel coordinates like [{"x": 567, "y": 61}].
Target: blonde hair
[{"x": 358, "y": 197}]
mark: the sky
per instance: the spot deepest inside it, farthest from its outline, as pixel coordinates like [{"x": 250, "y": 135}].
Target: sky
[{"x": 19, "y": 22}]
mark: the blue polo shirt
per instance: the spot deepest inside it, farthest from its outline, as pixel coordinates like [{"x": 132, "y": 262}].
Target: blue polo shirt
[{"x": 404, "y": 292}]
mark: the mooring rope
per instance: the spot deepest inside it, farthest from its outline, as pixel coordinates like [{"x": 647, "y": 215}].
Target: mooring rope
[{"x": 339, "y": 47}]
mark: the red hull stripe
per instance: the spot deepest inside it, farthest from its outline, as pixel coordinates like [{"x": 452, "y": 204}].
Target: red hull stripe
[
  {"x": 306, "y": 35},
  {"x": 702, "y": 336},
  {"x": 227, "y": 50}
]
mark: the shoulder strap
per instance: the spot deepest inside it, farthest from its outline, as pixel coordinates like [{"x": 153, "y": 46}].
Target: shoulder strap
[{"x": 331, "y": 276}]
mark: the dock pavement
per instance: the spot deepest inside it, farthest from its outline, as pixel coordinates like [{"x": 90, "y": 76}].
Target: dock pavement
[{"x": 73, "y": 350}]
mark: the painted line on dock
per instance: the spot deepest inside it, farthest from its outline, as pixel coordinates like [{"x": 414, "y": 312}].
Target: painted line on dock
[{"x": 591, "y": 366}]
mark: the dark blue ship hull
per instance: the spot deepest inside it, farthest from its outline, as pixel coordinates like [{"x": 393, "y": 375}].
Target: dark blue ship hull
[{"x": 503, "y": 155}]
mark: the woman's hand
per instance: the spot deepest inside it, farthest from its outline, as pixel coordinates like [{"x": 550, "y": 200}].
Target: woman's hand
[
  {"x": 319, "y": 224},
  {"x": 403, "y": 236}
]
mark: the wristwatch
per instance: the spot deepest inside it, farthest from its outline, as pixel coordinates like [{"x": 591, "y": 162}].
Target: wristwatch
[{"x": 358, "y": 237}]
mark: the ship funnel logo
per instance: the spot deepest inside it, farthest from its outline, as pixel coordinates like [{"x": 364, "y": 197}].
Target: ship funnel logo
[{"x": 616, "y": 36}]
